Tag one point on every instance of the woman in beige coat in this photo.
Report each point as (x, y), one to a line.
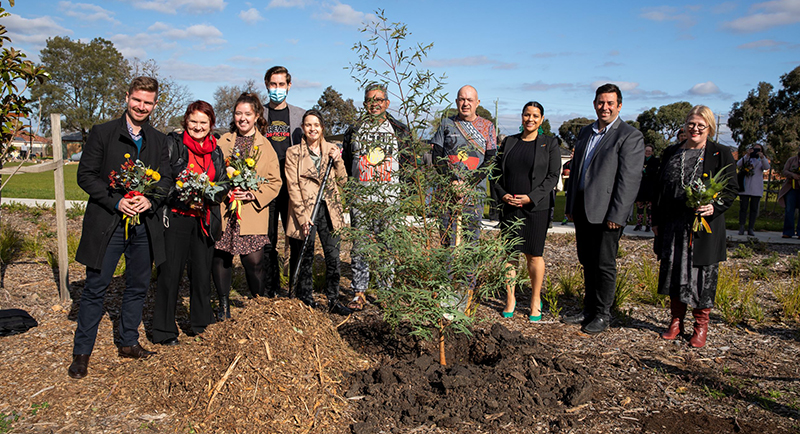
(246, 234)
(305, 167)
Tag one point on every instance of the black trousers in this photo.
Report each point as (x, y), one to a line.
(597, 247)
(330, 247)
(278, 207)
(185, 243)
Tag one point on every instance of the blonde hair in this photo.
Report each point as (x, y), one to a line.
(707, 115)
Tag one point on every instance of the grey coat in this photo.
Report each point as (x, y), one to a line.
(613, 175)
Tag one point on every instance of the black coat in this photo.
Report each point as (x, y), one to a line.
(178, 160)
(707, 249)
(544, 173)
(104, 151)
(647, 188)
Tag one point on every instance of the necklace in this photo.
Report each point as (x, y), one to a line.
(696, 166)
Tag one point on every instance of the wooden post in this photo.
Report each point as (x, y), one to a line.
(61, 208)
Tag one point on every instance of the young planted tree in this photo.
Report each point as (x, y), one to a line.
(421, 282)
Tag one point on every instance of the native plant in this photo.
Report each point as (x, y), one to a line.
(422, 282)
(735, 298)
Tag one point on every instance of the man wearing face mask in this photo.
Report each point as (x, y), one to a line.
(284, 122)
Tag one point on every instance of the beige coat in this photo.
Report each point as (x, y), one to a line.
(303, 182)
(791, 164)
(255, 213)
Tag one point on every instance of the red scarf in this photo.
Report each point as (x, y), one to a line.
(200, 154)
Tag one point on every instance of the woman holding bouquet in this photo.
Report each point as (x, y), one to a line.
(305, 167)
(245, 214)
(690, 257)
(192, 223)
(754, 163)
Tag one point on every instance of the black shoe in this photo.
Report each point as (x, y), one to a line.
(224, 309)
(135, 352)
(79, 367)
(751, 232)
(171, 342)
(598, 325)
(647, 228)
(637, 228)
(338, 308)
(578, 318)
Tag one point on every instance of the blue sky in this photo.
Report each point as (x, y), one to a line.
(557, 53)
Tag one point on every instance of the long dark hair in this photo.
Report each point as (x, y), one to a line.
(252, 99)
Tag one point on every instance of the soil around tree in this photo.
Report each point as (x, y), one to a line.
(280, 367)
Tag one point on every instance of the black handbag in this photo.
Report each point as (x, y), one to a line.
(15, 321)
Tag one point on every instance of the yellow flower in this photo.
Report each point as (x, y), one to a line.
(229, 171)
(705, 175)
(250, 162)
(148, 172)
(191, 165)
(230, 175)
(156, 176)
(255, 148)
(236, 173)
(179, 184)
(715, 195)
(237, 154)
(211, 183)
(127, 155)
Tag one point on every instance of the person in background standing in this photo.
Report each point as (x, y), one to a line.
(644, 199)
(753, 164)
(789, 195)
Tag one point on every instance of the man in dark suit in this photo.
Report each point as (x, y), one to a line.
(107, 234)
(604, 180)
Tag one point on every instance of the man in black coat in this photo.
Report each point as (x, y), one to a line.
(104, 237)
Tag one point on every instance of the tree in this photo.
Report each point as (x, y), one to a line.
(87, 85)
(660, 125)
(749, 119)
(225, 97)
(429, 280)
(17, 75)
(339, 114)
(546, 128)
(173, 98)
(569, 130)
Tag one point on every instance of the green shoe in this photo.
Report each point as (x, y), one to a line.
(510, 314)
(536, 318)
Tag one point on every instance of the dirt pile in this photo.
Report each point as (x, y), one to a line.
(498, 379)
(275, 367)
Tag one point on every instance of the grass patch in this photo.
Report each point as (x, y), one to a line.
(794, 264)
(623, 290)
(550, 295)
(570, 280)
(76, 210)
(646, 275)
(41, 185)
(735, 298)
(10, 244)
(788, 295)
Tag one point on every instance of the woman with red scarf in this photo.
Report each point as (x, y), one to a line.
(191, 229)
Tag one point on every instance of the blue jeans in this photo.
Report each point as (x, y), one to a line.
(792, 203)
(137, 281)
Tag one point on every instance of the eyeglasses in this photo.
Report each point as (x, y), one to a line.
(378, 100)
(699, 127)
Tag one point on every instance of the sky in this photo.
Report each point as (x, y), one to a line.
(557, 53)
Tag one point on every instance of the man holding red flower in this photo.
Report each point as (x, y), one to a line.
(103, 239)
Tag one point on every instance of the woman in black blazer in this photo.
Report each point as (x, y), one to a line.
(690, 260)
(527, 170)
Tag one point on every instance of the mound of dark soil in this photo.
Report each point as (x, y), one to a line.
(499, 379)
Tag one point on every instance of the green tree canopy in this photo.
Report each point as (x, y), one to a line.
(87, 85)
(569, 130)
(660, 125)
(339, 113)
(17, 75)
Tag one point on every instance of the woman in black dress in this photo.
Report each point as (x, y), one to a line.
(690, 260)
(528, 167)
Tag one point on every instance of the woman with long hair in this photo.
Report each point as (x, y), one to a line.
(190, 228)
(527, 170)
(245, 215)
(305, 168)
(690, 260)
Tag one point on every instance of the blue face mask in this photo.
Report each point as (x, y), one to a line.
(277, 95)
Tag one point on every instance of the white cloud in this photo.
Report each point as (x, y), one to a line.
(288, 4)
(181, 70)
(343, 14)
(33, 31)
(162, 37)
(547, 55)
(251, 16)
(305, 84)
(250, 60)
(207, 34)
(134, 45)
(610, 64)
(87, 12)
(707, 88)
(461, 61)
(625, 86)
(669, 13)
(767, 45)
(775, 13)
(185, 6)
(540, 86)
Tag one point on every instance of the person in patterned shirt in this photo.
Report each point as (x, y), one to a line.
(462, 147)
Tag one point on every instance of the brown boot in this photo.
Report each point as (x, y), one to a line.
(698, 339)
(678, 310)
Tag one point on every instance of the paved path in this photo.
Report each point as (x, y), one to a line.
(767, 237)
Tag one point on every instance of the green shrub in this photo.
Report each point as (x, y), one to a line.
(35, 246)
(794, 264)
(76, 210)
(550, 295)
(646, 275)
(735, 298)
(758, 271)
(570, 280)
(623, 290)
(788, 295)
(742, 251)
(11, 242)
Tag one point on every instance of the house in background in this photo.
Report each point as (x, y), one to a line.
(36, 145)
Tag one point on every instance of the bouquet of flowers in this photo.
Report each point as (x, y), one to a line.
(699, 194)
(193, 188)
(135, 179)
(241, 171)
(748, 169)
